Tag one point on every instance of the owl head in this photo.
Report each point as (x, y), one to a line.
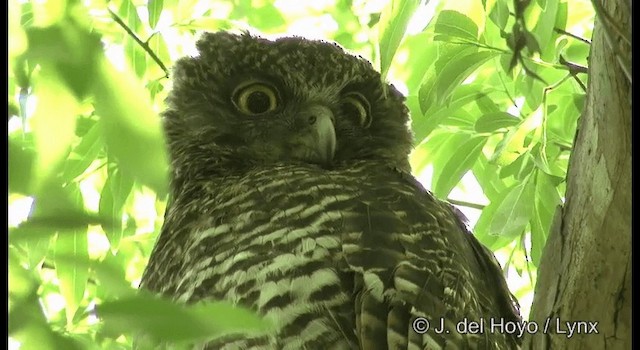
(245, 101)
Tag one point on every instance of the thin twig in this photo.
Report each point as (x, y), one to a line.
(478, 45)
(582, 86)
(466, 204)
(506, 91)
(564, 32)
(86, 173)
(573, 68)
(145, 46)
(562, 146)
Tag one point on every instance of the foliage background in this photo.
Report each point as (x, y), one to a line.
(88, 170)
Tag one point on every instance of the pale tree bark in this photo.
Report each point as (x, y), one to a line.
(585, 271)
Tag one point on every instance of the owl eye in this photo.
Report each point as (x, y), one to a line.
(256, 99)
(355, 105)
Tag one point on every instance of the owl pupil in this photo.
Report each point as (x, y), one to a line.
(258, 102)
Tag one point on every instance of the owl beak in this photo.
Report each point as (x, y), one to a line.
(322, 136)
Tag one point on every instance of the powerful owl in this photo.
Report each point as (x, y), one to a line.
(291, 195)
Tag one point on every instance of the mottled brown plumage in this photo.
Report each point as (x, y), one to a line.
(291, 195)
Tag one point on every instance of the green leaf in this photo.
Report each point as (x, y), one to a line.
(266, 16)
(207, 23)
(72, 275)
(129, 13)
(577, 52)
(547, 192)
(45, 225)
(546, 203)
(462, 120)
(83, 154)
(27, 322)
(539, 232)
(491, 122)
(137, 143)
(66, 52)
(137, 56)
(446, 52)
(167, 321)
(427, 151)
(459, 163)
(486, 104)
(111, 276)
(435, 114)
(526, 167)
(21, 282)
(154, 7)
(393, 25)
(456, 71)
(500, 14)
(513, 168)
(547, 159)
(22, 73)
(421, 56)
(21, 161)
(579, 101)
(554, 49)
(53, 123)
(48, 13)
(154, 87)
(158, 45)
(481, 229)
(543, 31)
(487, 176)
(442, 154)
(18, 42)
(34, 250)
(112, 199)
(455, 24)
(505, 65)
(513, 144)
(532, 89)
(513, 214)
(56, 208)
(561, 122)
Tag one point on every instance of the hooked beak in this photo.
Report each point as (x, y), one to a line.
(319, 141)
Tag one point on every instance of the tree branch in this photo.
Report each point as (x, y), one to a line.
(143, 45)
(574, 69)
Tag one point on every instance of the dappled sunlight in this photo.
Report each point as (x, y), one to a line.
(85, 133)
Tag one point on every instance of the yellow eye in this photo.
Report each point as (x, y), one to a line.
(256, 99)
(356, 106)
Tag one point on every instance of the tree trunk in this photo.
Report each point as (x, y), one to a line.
(584, 279)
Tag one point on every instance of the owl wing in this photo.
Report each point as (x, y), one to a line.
(414, 258)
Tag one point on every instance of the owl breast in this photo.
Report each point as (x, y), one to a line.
(301, 245)
(271, 240)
